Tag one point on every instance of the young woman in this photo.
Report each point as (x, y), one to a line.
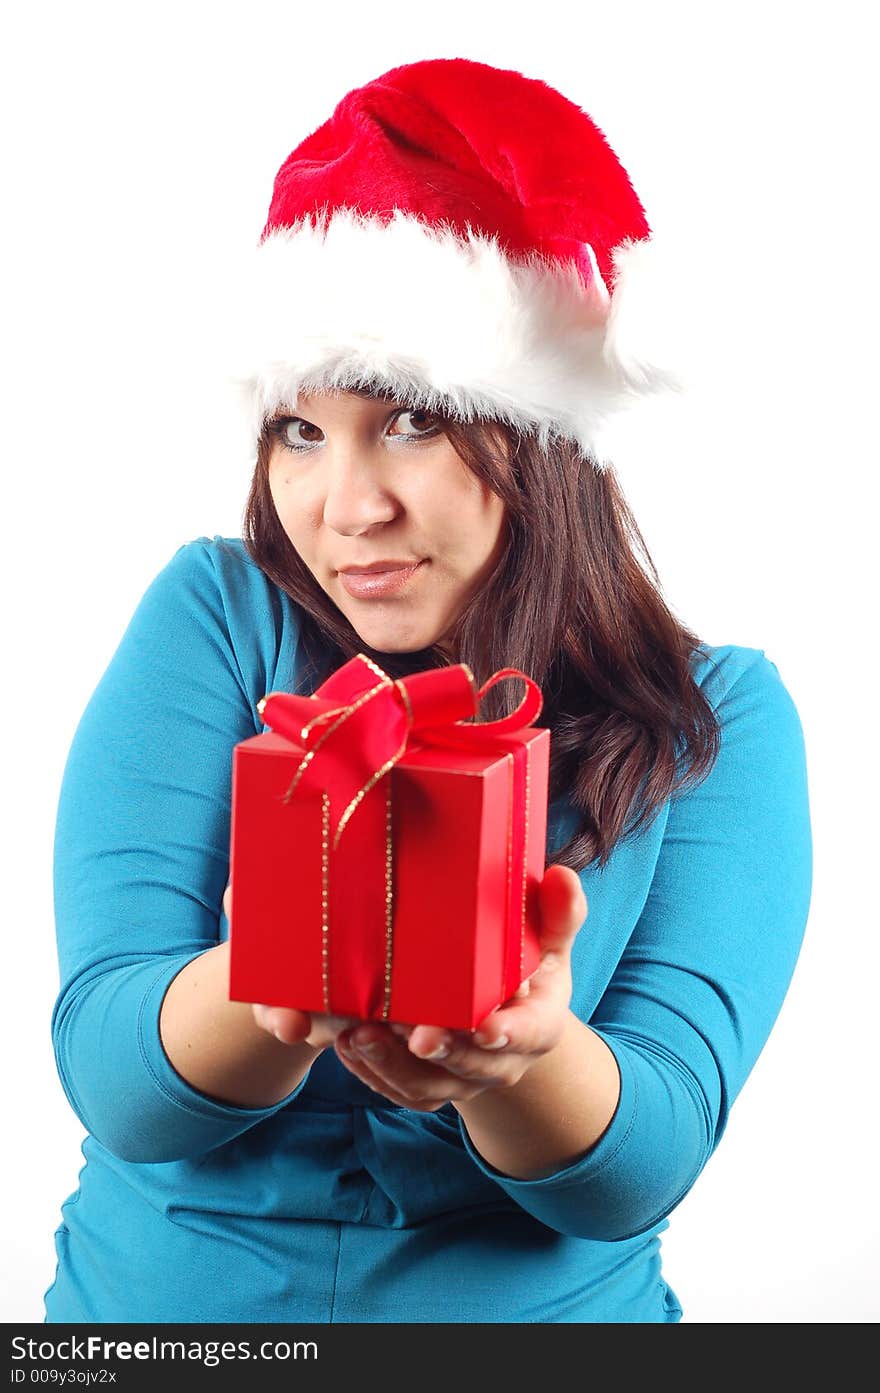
(444, 317)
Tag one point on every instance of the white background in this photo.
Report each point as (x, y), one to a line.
(140, 146)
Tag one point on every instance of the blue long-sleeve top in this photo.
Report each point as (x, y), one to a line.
(335, 1204)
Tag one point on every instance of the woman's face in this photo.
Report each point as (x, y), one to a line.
(388, 518)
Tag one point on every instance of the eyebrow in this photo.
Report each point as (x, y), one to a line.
(378, 394)
(382, 394)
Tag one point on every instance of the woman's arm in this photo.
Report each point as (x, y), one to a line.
(250, 1055)
(216, 1044)
(556, 1112)
(684, 1017)
(698, 989)
(141, 863)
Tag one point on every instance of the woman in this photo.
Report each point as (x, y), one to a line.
(450, 279)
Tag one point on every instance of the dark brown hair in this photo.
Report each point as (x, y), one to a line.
(570, 604)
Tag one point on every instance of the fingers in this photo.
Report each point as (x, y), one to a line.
(293, 1027)
(506, 1043)
(287, 1025)
(526, 1024)
(382, 1061)
(563, 908)
(227, 902)
(530, 1024)
(325, 1029)
(424, 1066)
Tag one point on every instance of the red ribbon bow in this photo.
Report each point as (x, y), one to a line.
(365, 720)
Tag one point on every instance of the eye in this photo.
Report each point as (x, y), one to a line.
(295, 433)
(421, 422)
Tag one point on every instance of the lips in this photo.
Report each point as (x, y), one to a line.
(378, 579)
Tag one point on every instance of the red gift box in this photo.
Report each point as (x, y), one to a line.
(385, 855)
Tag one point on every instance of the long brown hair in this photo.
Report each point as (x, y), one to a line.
(570, 604)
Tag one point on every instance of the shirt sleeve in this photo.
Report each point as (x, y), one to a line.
(702, 979)
(141, 859)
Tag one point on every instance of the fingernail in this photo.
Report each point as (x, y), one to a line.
(373, 1049)
(486, 1044)
(549, 961)
(438, 1052)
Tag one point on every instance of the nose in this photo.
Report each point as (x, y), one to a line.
(357, 493)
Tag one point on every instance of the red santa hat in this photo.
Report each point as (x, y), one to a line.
(465, 237)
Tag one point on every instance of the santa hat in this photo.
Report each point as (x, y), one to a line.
(465, 237)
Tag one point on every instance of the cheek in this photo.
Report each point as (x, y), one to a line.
(467, 513)
(485, 530)
(279, 494)
(292, 510)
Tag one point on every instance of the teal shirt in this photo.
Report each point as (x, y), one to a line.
(335, 1204)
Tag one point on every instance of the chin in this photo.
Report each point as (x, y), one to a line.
(388, 644)
(399, 632)
(397, 638)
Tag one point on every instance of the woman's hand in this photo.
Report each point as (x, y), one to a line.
(287, 1024)
(404, 1062)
